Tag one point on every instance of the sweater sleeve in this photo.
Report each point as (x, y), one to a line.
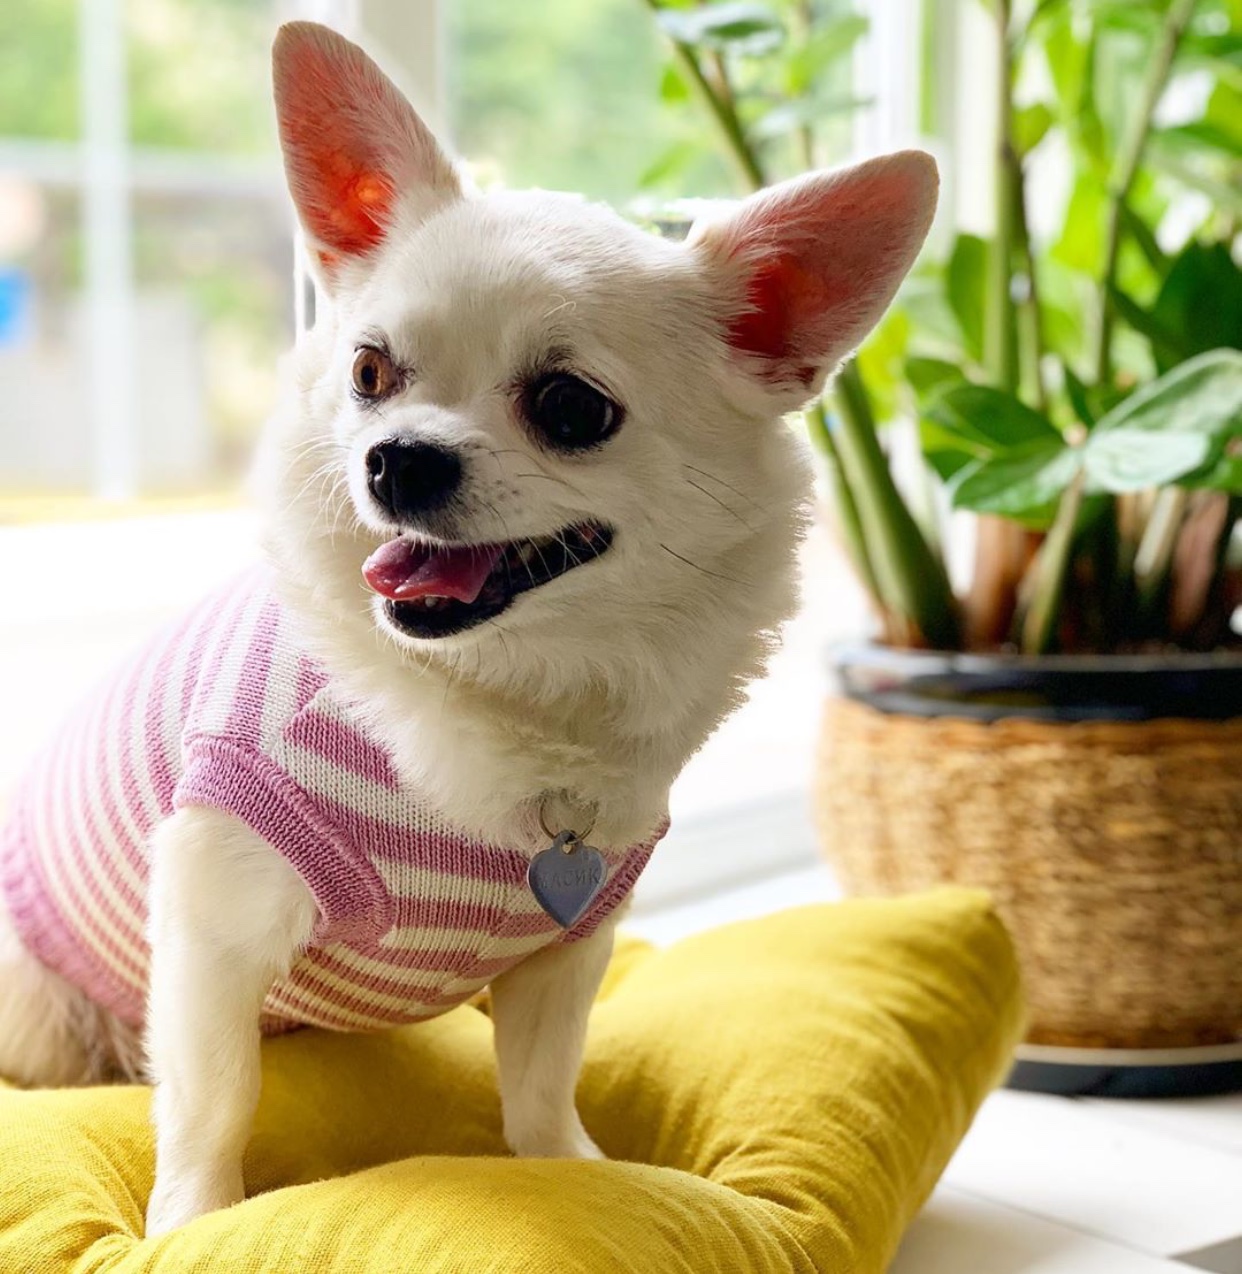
(235, 777)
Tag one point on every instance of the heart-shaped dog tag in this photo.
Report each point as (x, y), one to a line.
(566, 878)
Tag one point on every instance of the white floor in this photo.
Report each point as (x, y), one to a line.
(1048, 1185)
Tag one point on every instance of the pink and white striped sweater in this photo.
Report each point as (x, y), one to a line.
(224, 710)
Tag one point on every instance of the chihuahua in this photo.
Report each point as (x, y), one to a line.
(532, 512)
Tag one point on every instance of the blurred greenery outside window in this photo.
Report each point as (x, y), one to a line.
(206, 261)
(565, 94)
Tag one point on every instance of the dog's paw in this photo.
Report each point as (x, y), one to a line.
(177, 1200)
(571, 1142)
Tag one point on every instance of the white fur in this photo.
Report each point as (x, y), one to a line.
(597, 686)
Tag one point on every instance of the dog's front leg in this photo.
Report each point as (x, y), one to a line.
(228, 914)
(540, 1013)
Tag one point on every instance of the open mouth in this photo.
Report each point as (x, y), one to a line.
(435, 590)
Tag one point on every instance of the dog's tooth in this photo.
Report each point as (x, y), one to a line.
(526, 553)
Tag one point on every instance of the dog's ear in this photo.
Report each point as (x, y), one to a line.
(809, 266)
(357, 157)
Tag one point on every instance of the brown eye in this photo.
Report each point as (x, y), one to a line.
(375, 375)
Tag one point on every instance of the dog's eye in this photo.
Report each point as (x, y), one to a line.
(570, 413)
(375, 375)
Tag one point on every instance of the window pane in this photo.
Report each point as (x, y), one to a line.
(44, 433)
(199, 74)
(565, 94)
(212, 316)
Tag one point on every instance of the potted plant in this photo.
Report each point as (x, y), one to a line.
(1062, 724)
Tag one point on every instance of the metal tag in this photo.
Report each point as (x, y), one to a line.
(566, 878)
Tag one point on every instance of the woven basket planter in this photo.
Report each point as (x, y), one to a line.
(1113, 847)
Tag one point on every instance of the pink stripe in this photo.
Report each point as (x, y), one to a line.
(148, 719)
(89, 779)
(129, 804)
(219, 637)
(449, 965)
(246, 715)
(197, 630)
(87, 903)
(342, 745)
(45, 932)
(428, 844)
(484, 918)
(311, 680)
(79, 771)
(329, 1013)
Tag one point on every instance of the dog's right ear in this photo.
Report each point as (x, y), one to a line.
(357, 157)
(809, 266)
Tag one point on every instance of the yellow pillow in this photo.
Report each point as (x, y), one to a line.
(776, 1095)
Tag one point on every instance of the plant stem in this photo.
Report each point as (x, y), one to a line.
(1031, 306)
(1003, 552)
(1130, 156)
(910, 579)
(804, 19)
(738, 148)
(1045, 582)
(1001, 337)
(1154, 556)
(849, 525)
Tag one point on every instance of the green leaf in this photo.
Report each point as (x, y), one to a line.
(1081, 245)
(1076, 392)
(1221, 53)
(1225, 475)
(983, 417)
(1202, 396)
(1201, 300)
(1223, 193)
(1030, 126)
(946, 461)
(965, 285)
(1130, 459)
(752, 29)
(1024, 487)
(1166, 345)
(927, 376)
(1145, 239)
(1224, 108)
(825, 45)
(673, 87)
(1203, 133)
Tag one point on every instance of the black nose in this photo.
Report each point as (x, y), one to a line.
(409, 478)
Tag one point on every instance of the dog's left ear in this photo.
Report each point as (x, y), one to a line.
(810, 265)
(357, 157)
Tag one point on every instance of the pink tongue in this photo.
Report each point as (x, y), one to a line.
(403, 570)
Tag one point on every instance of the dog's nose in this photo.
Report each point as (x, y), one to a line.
(409, 478)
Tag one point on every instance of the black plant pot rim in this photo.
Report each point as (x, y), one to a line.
(992, 687)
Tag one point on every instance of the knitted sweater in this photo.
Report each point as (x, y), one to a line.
(225, 711)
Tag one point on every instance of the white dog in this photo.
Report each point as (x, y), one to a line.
(532, 523)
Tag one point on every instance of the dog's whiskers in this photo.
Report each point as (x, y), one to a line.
(728, 508)
(720, 481)
(714, 574)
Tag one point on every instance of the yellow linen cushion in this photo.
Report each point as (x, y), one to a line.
(775, 1095)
